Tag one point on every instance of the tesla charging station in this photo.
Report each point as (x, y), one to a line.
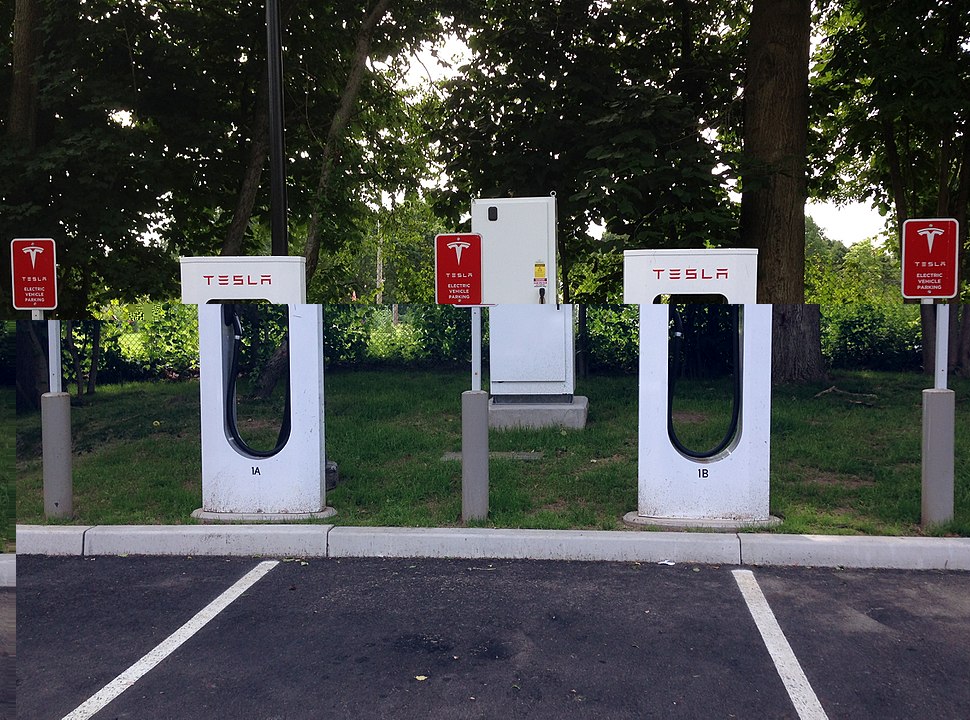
(531, 342)
(729, 487)
(239, 483)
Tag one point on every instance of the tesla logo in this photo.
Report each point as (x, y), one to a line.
(33, 251)
(238, 279)
(691, 273)
(930, 234)
(458, 246)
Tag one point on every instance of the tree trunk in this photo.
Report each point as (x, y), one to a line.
(347, 100)
(796, 347)
(95, 356)
(246, 199)
(775, 146)
(276, 368)
(22, 119)
(963, 342)
(72, 349)
(927, 322)
(31, 368)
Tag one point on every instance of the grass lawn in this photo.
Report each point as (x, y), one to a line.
(845, 461)
(7, 459)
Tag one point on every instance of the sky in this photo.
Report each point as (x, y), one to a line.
(847, 223)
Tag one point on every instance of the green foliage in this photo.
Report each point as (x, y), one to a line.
(146, 116)
(391, 341)
(148, 340)
(397, 247)
(613, 333)
(878, 336)
(8, 352)
(891, 84)
(613, 106)
(345, 334)
(445, 331)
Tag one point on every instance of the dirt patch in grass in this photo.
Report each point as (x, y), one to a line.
(608, 460)
(821, 477)
(688, 416)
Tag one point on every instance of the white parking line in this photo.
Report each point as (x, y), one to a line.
(802, 696)
(169, 645)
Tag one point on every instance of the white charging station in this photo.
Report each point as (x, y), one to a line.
(288, 482)
(531, 339)
(730, 488)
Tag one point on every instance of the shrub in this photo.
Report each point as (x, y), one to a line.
(883, 336)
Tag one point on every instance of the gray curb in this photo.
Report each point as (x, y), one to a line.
(534, 544)
(328, 541)
(8, 570)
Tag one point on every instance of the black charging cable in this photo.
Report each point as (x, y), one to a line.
(230, 317)
(676, 341)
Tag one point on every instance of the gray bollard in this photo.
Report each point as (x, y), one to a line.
(55, 413)
(474, 455)
(939, 410)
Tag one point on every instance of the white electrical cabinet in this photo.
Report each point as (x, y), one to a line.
(518, 249)
(531, 351)
(531, 340)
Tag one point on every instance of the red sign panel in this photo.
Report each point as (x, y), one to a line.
(458, 269)
(930, 258)
(33, 268)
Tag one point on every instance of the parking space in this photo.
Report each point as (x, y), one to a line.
(8, 653)
(369, 638)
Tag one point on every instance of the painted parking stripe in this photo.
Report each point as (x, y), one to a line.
(169, 645)
(802, 696)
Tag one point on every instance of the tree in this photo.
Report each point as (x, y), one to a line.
(908, 153)
(773, 179)
(775, 145)
(613, 106)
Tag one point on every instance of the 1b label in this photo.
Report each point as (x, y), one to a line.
(703, 473)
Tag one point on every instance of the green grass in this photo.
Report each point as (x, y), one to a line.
(7, 459)
(841, 463)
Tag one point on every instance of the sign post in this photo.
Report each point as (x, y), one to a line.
(930, 256)
(33, 269)
(458, 281)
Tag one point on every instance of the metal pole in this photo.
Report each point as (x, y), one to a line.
(474, 455)
(476, 348)
(54, 355)
(277, 165)
(942, 345)
(55, 419)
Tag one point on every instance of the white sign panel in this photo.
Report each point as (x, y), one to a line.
(732, 273)
(276, 279)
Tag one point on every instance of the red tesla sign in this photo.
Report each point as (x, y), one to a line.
(458, 269)
(34, 272)
(930, 258)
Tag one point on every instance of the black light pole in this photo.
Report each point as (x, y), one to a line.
(277, 162)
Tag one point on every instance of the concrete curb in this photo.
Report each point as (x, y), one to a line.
(245, 540)
(51, 540)
(905, 553)
(8, 570)
(534, 544)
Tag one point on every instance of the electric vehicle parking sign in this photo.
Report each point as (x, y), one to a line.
(33, 268)
(930, 258)
(458, 269)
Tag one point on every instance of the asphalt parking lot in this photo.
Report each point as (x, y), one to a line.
(402, 638)
(8, 653)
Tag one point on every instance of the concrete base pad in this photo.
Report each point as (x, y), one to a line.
(219, 517)
(716, 524)
(539, 415)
